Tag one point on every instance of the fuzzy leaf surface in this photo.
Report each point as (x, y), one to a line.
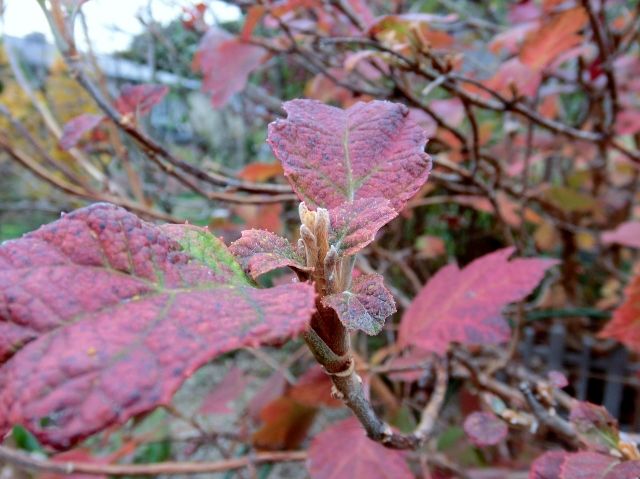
(103, 316)
(260, 251)
(225, 63)
(354, 225)
(582, 465)
(366, 458)
(332, 156)
(365, 306)
(75, 128)
(465, 305)
(596, 428)
(625, 324)
(485, 429)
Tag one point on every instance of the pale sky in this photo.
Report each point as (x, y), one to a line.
(112, 23)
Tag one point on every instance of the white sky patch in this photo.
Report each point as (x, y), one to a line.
(112, 23)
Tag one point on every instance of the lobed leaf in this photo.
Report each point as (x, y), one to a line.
(464, 305)
(365, 305)
(354, 225)
(360, 457)
(259, 251)
(332, 156)
(485, 429)
(103, 316)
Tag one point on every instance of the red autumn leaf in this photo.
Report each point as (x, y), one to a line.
(554, 37)
(226, 391)
(354, 225)
(627, 234)
(225, 63)
(140, 99)
(548, 465)
(258, 172)
(596, 428)
(162, 302)
(465, 305)
(628, 122)
(365, 305)
(513, 76)
(582, 465)
(450, 110)
(286, 424)
(273, 387)
(75, 128)
(625, 324)
(314, 389)
(365, 458)
(260, 251)
(557, 379)
(587, 465)
(485, 429)
(624, 470)
(332, 156)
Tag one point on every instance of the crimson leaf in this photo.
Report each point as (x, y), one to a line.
(76, 127)
(332, 156)
(354, 225)
(365, 306)
(596, 428)
(465, 305)
(225, 62)
(260, 251)
(484, 429)
(140, 99)
(365, 458)
(103, 316)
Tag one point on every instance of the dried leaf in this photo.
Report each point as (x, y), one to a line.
(74, 129)
(464, 305)
(163, 301)
(260, 251)
(332, 156)
(365, 458)
(485, 429)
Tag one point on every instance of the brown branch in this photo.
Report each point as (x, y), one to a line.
(24, 461)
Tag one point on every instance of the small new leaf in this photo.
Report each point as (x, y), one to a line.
(259, 251)
(354, 225)
(485, 429)
(365, 306)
